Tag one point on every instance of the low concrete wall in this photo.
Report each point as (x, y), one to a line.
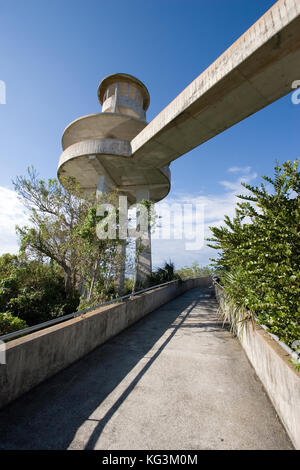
(279, 377)
(37, 356)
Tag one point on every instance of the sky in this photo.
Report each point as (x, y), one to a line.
(53, 56)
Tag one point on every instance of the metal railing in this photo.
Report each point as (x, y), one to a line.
(43, 325)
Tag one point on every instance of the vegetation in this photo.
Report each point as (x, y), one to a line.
(194, 271)
(31, 292)
(63, 229)
(63, 265)
(9, 323)
(165, 274)
(140, 246)
(168, 273)
(61, 258)
(259, 256)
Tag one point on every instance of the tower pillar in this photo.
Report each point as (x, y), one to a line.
(143, 242)
(104, 186)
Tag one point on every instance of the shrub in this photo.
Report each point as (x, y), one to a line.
(161, 275)
(35, 291)
(194, 270)
(10, 323)
(260, 253)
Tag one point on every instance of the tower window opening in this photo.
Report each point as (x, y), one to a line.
(111, 90)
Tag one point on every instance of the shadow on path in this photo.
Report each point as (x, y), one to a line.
(49, 416)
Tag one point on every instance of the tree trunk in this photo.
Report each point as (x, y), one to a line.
(68, 283)
(95, 271)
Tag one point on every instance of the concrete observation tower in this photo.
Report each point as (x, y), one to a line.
(97, 153)
(118, 149)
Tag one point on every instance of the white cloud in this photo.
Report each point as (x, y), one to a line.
(239, 169)
(12, 213)
(216, 206)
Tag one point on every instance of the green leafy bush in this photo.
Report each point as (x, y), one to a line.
(34, 291)
(259, 255)
(9, 323)
(161, 275)
(194, 270)
(128, 286)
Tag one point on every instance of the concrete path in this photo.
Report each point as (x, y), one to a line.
(174, 380)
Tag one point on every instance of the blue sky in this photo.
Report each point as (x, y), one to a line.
(53, 55)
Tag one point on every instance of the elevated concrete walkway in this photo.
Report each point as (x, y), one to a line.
(174, 380)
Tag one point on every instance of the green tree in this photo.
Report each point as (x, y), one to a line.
(7, 263)
(102, 259)
(60, 256)
(259, 252)
(194, 270)
(63, 229)
(56, 212)
(34, 291)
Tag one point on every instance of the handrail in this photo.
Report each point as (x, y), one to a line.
(284, 346)
(43, 325)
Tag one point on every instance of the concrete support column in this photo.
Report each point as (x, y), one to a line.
(121, 254)
(143, 243)
(104, 186)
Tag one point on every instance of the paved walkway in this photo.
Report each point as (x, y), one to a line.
(174, 380)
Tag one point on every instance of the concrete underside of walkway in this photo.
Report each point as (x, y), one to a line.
(174, 380)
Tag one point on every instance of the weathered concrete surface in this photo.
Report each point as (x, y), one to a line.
(273, 367)
(112, 157)
(174, 380)
(278, 375)
(99, 144)
(256, 70)
(253, 72)
(38, 356)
